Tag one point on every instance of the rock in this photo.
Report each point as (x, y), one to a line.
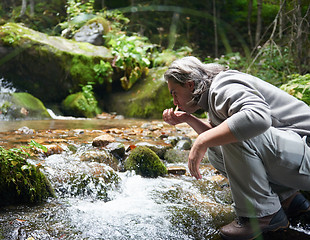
(145, 163)
(20, 181)
(23, 105)
(158, 149)
(76, 105)
(101, 156)
(176, 156)
(184, 144)
(103, 140)
(117, 149)
(63, 64)
(91, 33)
(142, 100)
(176, 170)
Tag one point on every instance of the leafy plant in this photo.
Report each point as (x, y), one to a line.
(88, 93)
(298, 86)
(103, 72)
(76, 7)
(232, 60)
(131, 54)
(21, 181)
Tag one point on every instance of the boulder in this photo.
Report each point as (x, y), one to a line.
(145, 162)
(146, 99)
(48, 67)
(23, 106)
(21, 182)
(77, 105)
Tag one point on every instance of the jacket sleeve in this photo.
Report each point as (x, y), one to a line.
(244, 108)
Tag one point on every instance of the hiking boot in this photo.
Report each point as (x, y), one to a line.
(296, 206)
(250, 228)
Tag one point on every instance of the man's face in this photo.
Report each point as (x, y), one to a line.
(182, 95)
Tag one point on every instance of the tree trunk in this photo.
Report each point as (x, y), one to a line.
(32, 8)
(23, 10)
(215, 30)
(250, 9)
(173, 30)
(259, 21)
(281, 21)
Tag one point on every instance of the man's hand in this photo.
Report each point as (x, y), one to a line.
(174, 117)
(196, 155)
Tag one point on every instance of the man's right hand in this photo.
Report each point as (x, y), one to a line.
(174, 117)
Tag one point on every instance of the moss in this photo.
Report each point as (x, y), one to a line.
(33, 106)
(145, 162)
(71, 63)
(143, 99)
(21, 182)
(77, 105)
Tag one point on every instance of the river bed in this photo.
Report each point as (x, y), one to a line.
(170, 207)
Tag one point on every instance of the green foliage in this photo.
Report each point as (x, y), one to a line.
(232, 60)
(88, 93)
(104, 72)
(21, 182)
(298, 86)
(131, 55)
(82, 104)
(145, 162)
(76, 7)
(273, 64)
(167, 56)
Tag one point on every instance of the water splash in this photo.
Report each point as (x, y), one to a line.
(5, 89)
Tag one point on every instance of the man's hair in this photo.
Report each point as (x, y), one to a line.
(192, 69)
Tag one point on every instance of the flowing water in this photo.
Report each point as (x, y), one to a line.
(126, 207)
(133, 207)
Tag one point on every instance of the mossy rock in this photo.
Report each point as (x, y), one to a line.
(48, 67)
(145, 162)
(21, 182)
(146, 99)
(23, 106)
(77, 105)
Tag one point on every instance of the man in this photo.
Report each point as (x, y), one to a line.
(258, 136)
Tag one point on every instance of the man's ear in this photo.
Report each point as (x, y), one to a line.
(191, 85)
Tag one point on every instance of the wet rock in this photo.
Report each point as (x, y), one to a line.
(158, 149)
(176, 170)
(25, 130)
(20, 181)
(145, 162)
(184, 144)
(176, 156)
(103, 140)
(100, 156)
(117, 149)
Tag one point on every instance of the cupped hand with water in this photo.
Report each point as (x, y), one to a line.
(174, 117)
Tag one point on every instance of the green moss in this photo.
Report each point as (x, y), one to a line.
(77, 105)
(147, 99)
(34, 106)
(145, 163)
(21, 182)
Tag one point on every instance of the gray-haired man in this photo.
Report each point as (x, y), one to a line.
(258, 136)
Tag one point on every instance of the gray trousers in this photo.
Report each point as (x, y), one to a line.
(264, 170)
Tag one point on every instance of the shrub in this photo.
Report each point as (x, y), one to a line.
(298, 86)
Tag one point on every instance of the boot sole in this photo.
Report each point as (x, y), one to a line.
(257, 234)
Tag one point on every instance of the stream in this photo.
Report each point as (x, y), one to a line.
(129, 207)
